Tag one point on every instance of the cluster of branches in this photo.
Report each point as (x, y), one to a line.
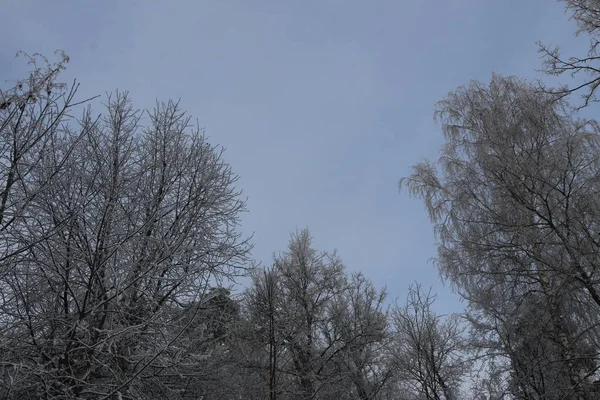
(586, 13)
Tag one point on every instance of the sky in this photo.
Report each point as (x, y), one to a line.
(322, 106)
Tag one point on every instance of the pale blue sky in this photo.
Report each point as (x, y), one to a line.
(322, 105)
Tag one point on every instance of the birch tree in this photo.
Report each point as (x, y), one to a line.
(514, 201)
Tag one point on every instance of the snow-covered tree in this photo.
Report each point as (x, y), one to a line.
(514, 201)
(109, 226)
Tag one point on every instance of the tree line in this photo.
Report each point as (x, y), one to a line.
(120, 230)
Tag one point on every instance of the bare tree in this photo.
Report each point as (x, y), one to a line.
(137, 223)
(316, 332)
(429, 351)
(310, 280)
(358, 332)
(513, 199)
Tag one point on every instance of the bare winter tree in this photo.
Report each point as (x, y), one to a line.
(429, 351)
(358, 333)
(310, 281)
(514, 201)
(126, 226)
(316, 333)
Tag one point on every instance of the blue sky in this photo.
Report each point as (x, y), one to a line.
(322, 105)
